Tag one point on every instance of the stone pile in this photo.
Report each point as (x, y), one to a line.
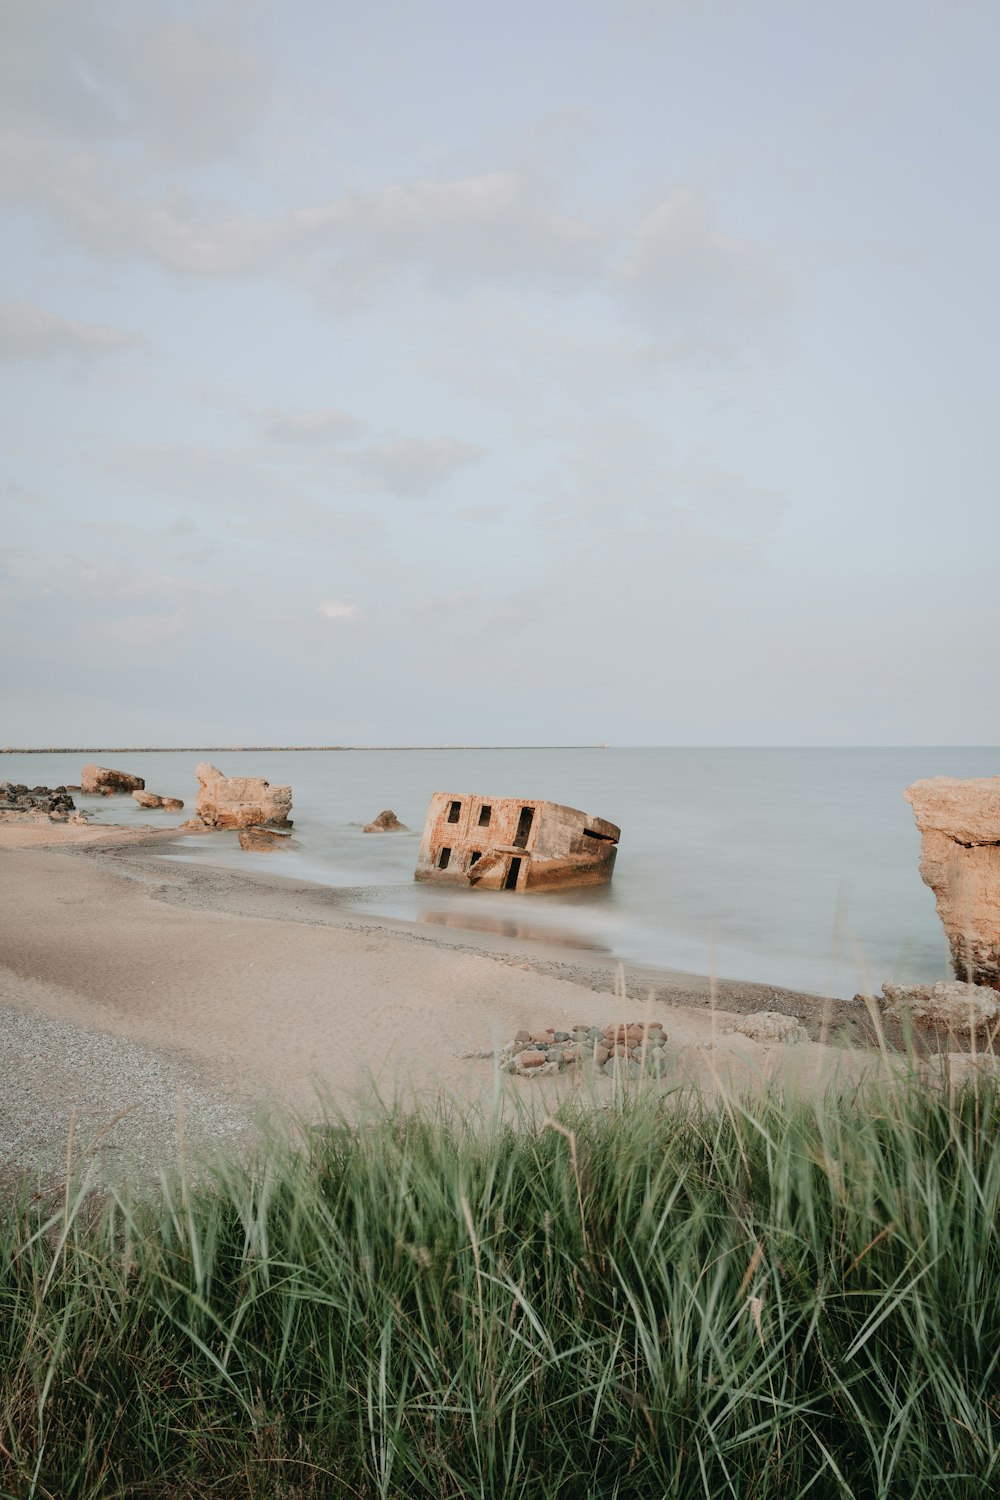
(37, 803)
(626, 1049)
(102, 781)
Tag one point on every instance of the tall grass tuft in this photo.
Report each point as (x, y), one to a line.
(755, 1299)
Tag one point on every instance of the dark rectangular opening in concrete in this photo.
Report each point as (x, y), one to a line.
(524, 827)
(604, 838)
(513, 871)
(454, 808)
(485, 814)
(443, 859)
(475, 857)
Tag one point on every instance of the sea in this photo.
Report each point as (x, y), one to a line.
(793, 867)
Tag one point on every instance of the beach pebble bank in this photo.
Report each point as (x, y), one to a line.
(624, 1048)
(122, 1107)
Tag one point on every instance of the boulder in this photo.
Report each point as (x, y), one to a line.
(771, 1026)
(101, 781)
(963, 1009)
(262, 838)
(959, 823)
(386, 822)
(150, 799)
(240, 801)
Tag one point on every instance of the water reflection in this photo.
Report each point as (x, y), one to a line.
(476, 921)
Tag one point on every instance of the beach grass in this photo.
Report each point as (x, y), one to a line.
(763, 1298)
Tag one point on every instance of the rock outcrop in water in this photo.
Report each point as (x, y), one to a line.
(386, 822)
(101, 781)
(263, 840)
(240, 801)
(152, 799)
(959, 822)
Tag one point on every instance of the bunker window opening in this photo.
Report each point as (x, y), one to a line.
(475, 857)
(454, 809)
(513, 871)
(524, 827)
(443, 859)
(485, 814)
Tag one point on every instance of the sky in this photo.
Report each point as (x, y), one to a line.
(561, 373)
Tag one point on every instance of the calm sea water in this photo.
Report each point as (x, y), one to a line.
(797, 867)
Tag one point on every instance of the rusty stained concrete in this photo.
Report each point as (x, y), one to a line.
(514, 843)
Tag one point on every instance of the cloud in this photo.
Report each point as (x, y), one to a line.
(145, 630)
(497, 224)
(195, 91)
(408, 466)
(185, 90)
(325, 425)
(678, 248)
(336, 609)
(273, 480)
(30, 332)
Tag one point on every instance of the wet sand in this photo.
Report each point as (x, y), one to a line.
(247, 992)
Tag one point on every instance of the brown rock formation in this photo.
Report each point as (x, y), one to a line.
(147, 799)
(258, 839)
(964, 1009)
(960, 860)
(151, 799)
(103, 782)
(240, 801)
(386, 822)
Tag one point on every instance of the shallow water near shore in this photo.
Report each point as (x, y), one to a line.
(793, 867)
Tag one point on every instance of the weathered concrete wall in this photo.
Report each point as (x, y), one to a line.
(959, 821)
(514, 843)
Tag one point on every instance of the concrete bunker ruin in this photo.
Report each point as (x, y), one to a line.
(514, 844)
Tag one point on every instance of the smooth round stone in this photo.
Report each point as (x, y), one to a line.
(561, 1036)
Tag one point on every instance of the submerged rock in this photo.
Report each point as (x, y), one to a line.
(258, 839)
(151, 799)
(386, 822)
(959, 822)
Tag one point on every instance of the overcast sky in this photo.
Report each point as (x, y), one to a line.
(521, 373)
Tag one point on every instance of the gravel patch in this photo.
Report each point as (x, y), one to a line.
(128, 1105)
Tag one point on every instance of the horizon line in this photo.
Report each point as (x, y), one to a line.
(298, 749)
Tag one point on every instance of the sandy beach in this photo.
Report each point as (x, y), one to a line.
(144, 998)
